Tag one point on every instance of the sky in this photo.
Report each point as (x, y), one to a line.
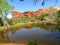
(22, 6)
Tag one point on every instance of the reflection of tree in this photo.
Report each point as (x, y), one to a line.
(4, 36)
(13, 31)
(53, 28)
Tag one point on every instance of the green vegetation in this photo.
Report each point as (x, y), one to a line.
(32, 43)
(5, 9)
(41, 17)
(58, 17)
(27, 19)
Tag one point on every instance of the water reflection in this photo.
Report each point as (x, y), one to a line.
(38, 34)
(49, 34)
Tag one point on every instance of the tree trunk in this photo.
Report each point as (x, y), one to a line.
(5, 23)
(1, 23)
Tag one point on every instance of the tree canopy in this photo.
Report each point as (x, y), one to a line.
(5, 6)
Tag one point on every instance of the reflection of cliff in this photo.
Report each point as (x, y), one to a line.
(31, 13)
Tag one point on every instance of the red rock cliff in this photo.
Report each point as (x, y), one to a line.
(31, 13)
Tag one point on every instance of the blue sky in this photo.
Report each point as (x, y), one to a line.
(29, 5)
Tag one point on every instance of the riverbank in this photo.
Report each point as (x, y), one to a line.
(11, 44)
(15, 26)
(20, 44)
(21, 25)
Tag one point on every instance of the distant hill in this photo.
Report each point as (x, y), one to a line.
(39, 12)
(54, 8)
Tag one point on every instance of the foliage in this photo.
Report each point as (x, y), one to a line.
(41, 17)
(9, 21)
(32, 43)
(5, 8)
(58, 17)
(32, 19)
(53, 17)
(28, 19)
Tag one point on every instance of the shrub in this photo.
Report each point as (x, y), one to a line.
(32, 42)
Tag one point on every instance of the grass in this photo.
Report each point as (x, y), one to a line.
(22, 24)
(15, 25)
(1, 26)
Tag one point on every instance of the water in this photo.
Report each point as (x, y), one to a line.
(41, 35)
(48, 36)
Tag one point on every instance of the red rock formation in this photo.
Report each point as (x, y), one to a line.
(17, 14)
(31, 13)
(42, 11)
(28, 13)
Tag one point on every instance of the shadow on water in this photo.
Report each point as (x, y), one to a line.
(43, 33)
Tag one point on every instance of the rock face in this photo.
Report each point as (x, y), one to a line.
(36, 13)
(42, 11)
(16, 14)
(30, 13)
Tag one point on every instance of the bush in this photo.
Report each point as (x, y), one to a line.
(32, 43)
(9, 21)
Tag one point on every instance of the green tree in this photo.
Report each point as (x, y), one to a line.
(5, 8)
(41, 17)
(58, 17)
(51, 18)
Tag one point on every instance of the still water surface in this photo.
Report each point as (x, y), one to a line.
(45, 34)
(41, 35)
